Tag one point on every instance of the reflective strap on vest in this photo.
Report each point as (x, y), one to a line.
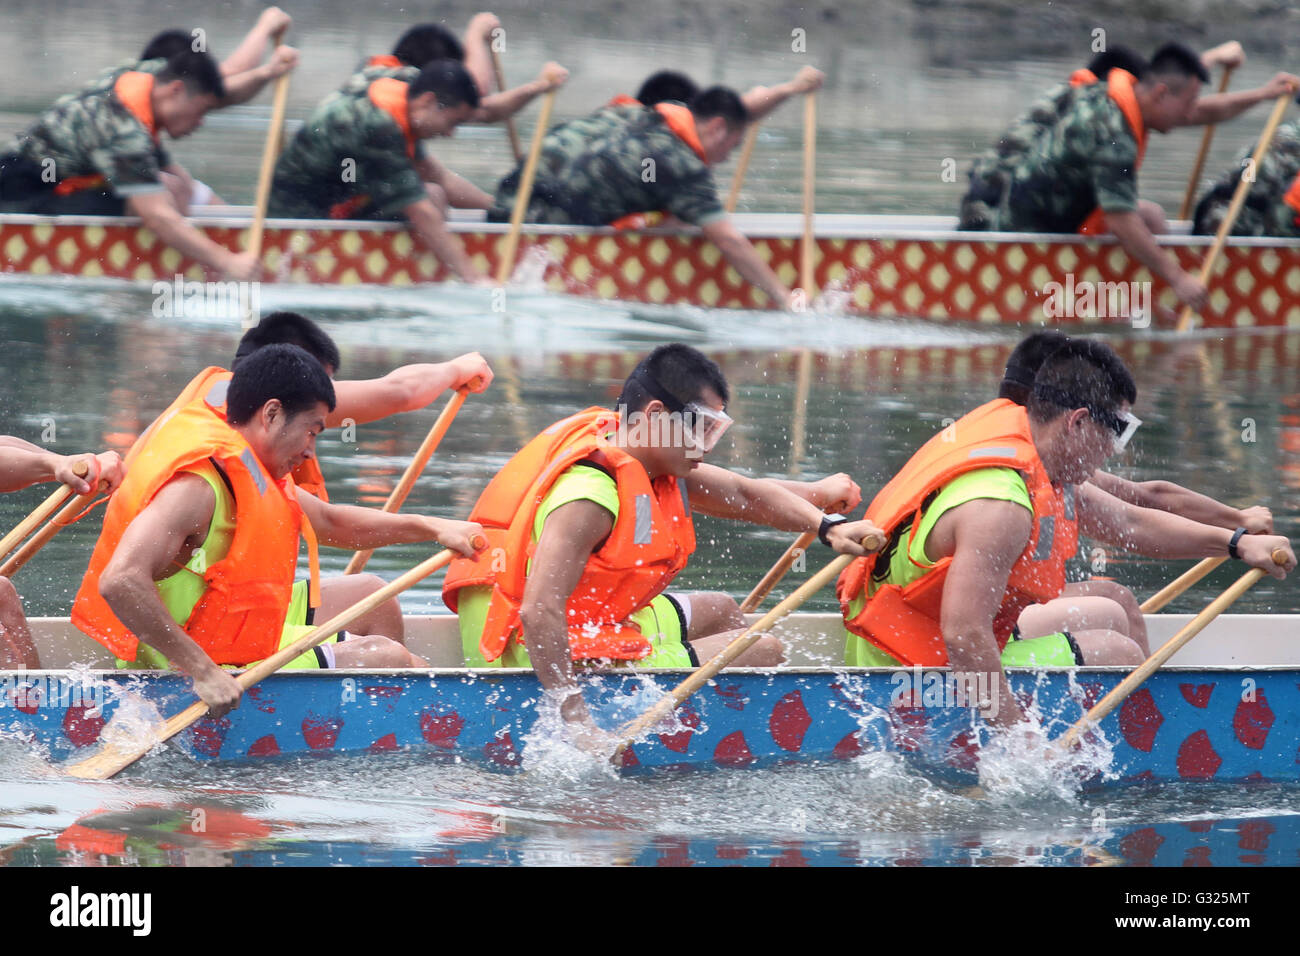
(1068, 495)
(1000, 452)
(1046, 537)
(254, 468)
(216, 396)
(643, 531)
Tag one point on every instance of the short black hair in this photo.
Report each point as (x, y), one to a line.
(1118, 57)
(665, 86)
(1024, 362)
(720, 101)
(1176, 60)
(291, 328)
(428, 41)
(167, 44)
(449, 81)
(283, 372)
(674, 374)
(1082, 373)
(198, 71)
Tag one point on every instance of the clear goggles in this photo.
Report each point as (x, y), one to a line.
(704, 425)
(1124, 427)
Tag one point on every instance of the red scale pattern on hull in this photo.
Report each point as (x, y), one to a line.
(1197, 759)
(1140, 719)
(1252, 721)
(789, 722)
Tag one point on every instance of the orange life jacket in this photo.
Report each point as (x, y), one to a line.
(133, 89)
(1292, 197)
(240, 615)
(386, 60)
(390, 96)
(1119, 87)
(651, 541)
(905, 622)
(306, 476)
(682, 122)
(1083, 77)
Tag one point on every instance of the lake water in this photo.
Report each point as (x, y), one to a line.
(90, 365)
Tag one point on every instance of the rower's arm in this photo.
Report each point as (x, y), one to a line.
(762, 100)
(1159, 534)
(461, 193)
(497, 106)
(1167, 496)
(988, 538)
(148, 551)
(725, 494)
(242, 87)
(406, 389)
(570, 535)
(1138, 242)
(23, 464)
(428, 222)
(836, 493)
(1220, 107)
(248, 54)
(740, 253)
(161, 217)
(348, 526)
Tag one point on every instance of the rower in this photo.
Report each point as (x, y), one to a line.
(622, 160)
(432, 41)
(589, 523)
(361, 155)
(980, 527)
(23, 464)
(358, 401)
(99, 153)
(669, 86)
(195, 564)
(1099, 602)
(1074, 168)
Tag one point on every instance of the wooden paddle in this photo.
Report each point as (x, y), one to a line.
(809, 187)
(43, 511)
(269, 154)
(71, 511)
(1238, 200)
(1167, 650)
(777, 571)
(702, 675)
(1186, 209)
(515, 148)
(1180, 584)
(422, 455)
(506, 262)
(116, 756)
(742, 166)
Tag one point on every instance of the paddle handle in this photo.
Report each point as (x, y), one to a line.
(809, 194)
(111, 759)
(1206, 138)
(71, 511)
(422, 455)
(1178, 585)
(515, 149)
(506, 263)
(702, 675)
(269, 154)
(1153, 663)
(1238, 200)
(742, 166)
(777, 571)
(42, 511)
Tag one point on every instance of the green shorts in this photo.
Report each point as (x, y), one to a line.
(1051, 650)
(662, 621)
(297, 622)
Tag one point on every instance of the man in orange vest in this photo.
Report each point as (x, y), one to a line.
(100, 153)
(360, 155)
(626, 159)
(981, 521)
(23, 464)
(1076, 169)
(359, 401)
(588, 524)
(194, 567)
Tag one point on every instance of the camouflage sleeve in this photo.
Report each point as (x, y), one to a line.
(1110, 154)
(688, 190)
(129, 160)
(385, 173)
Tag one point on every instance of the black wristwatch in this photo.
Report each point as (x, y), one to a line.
(829, 521)
(1232, 545)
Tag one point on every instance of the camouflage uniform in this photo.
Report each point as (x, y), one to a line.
(1264, 212)
(360, 81)
(312, 179)
(593, 171)
(90, 133)
(1072, 152)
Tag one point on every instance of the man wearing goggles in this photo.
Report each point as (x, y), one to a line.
(1099, 604)
(984, 516)
(588, 524)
